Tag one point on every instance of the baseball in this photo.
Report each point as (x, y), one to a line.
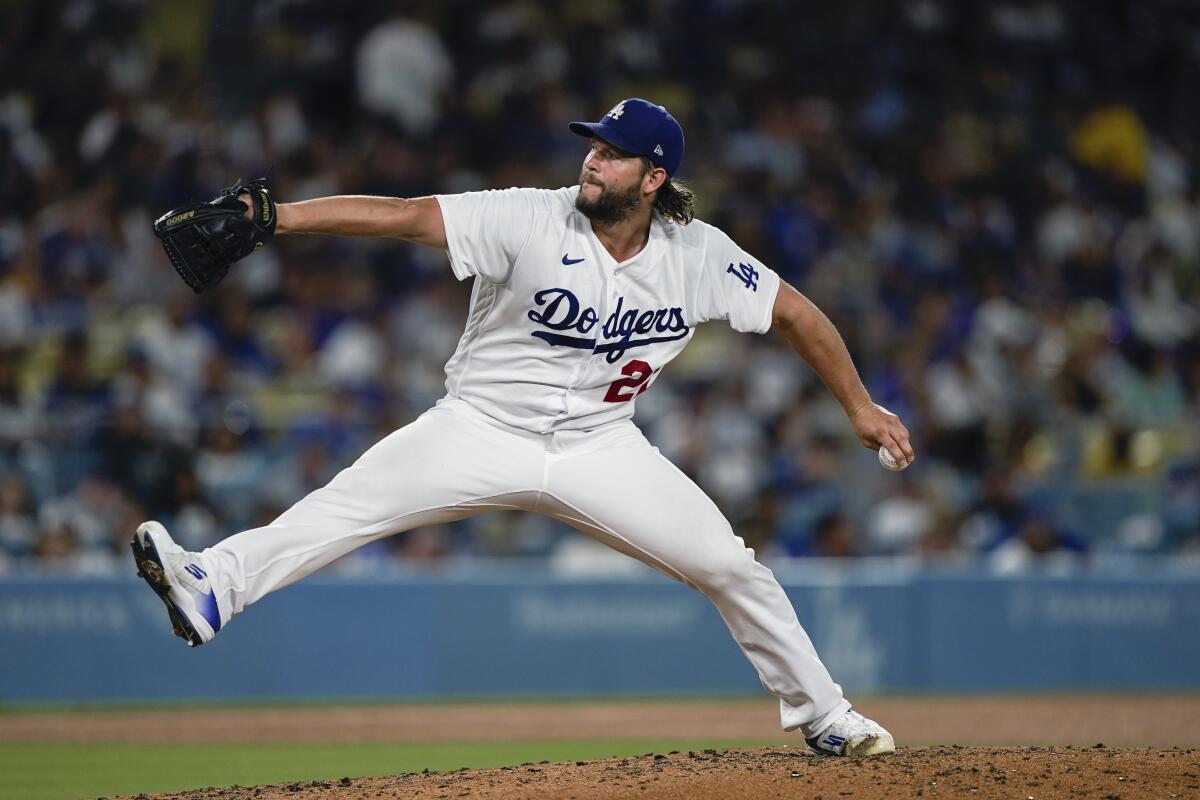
(889, 461)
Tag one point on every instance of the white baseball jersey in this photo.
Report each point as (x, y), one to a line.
(562, 337)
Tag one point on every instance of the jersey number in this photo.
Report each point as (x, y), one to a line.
(639, 373)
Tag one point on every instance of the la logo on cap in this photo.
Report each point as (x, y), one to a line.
(617, 110)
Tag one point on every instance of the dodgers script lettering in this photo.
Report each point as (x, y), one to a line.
(561, 315)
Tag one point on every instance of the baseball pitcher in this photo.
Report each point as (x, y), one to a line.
(581, 296)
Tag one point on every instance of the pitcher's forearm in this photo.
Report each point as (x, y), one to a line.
(822, 347)
(418, 220)
(817, 341)
(344, 215)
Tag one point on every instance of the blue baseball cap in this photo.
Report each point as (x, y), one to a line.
(642, 128)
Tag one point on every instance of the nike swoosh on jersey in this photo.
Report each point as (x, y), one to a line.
(568, 261)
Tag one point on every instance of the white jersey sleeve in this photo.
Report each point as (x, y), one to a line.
(486, 231)
(734, 285)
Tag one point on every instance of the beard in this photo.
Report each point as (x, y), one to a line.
(611, 206)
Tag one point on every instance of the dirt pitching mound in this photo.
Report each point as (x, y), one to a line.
(1033, 772)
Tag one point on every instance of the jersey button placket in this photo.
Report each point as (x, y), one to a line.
(609, 292)
(616, 291)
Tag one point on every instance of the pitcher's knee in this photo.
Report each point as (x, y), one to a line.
(728, 568)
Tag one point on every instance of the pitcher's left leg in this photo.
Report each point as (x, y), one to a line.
(633, 499)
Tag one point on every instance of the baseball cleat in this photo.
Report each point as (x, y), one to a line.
(180, 581)
(852, 734)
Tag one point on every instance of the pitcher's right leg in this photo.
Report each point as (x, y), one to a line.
(446, 465)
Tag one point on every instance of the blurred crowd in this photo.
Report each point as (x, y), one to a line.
(998, 204)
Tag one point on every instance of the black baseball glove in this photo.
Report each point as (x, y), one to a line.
(203, 240)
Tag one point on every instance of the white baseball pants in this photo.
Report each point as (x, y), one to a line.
(610, 483)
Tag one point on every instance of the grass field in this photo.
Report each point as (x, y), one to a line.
(72, 771)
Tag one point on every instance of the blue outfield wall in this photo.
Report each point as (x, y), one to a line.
(508, 634)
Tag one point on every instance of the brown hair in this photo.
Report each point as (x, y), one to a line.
(673, 200)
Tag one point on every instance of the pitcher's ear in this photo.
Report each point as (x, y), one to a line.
(654, 179)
